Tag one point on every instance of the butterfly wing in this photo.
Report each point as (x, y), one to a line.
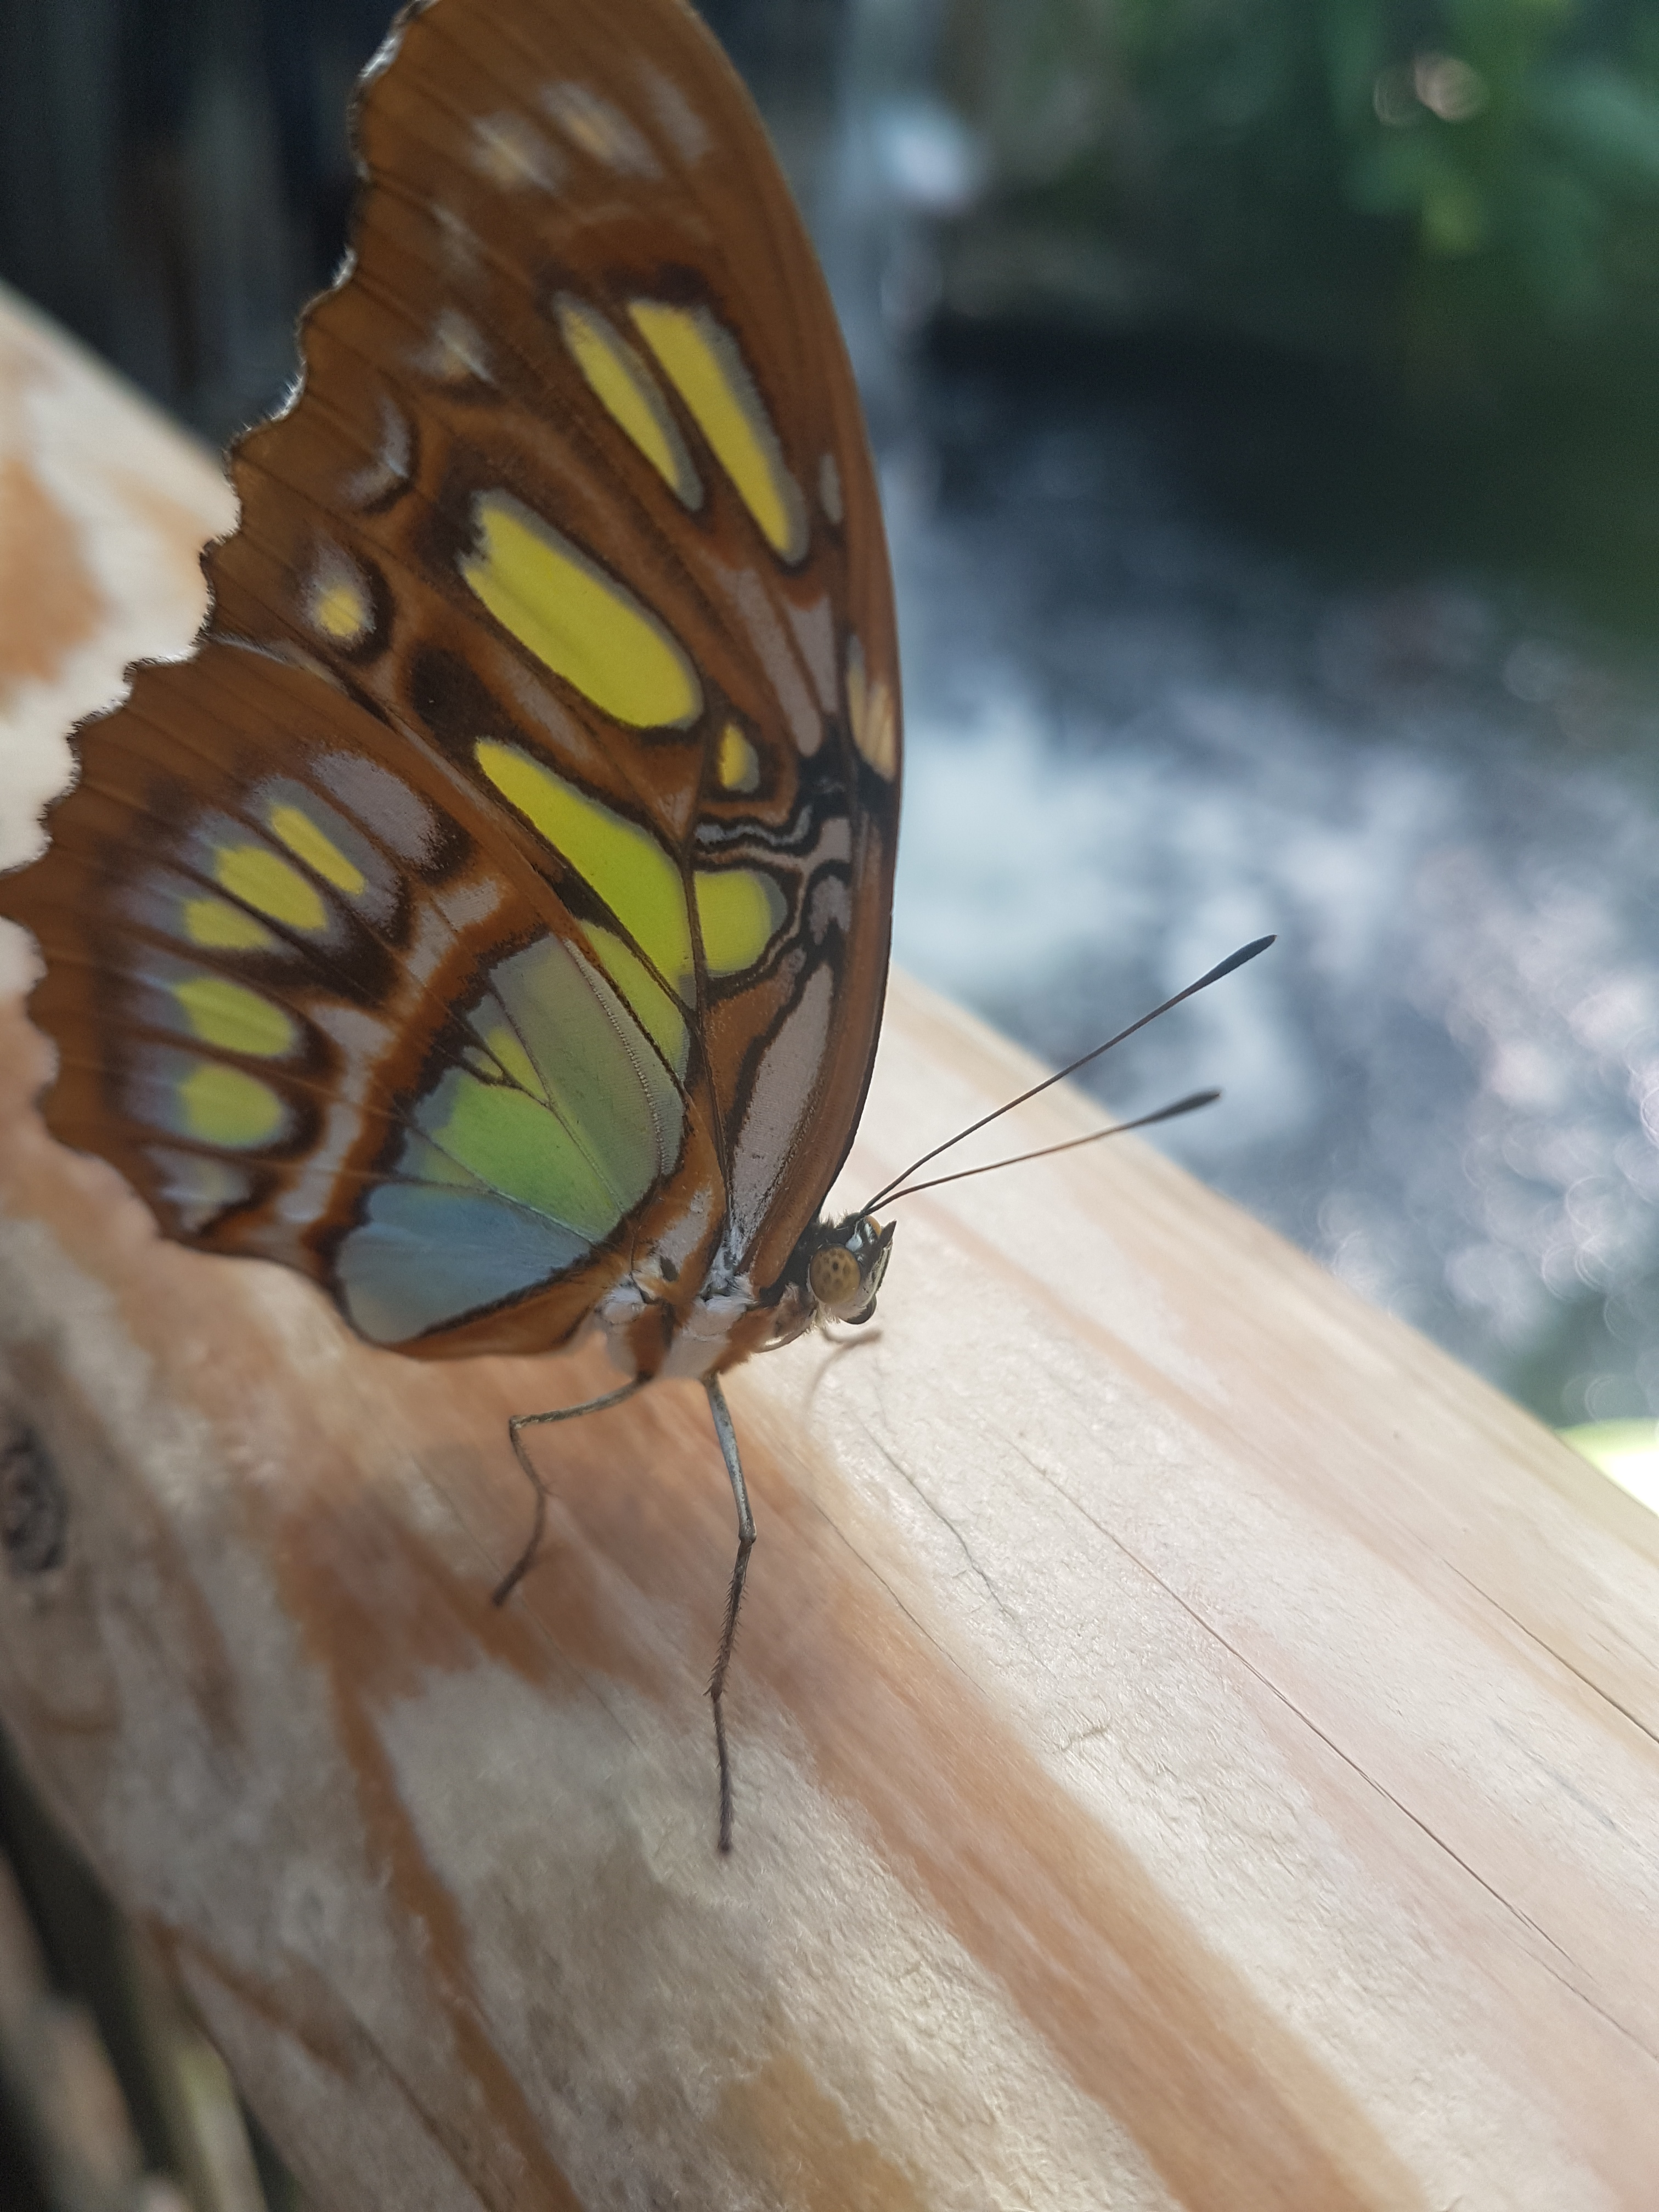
(503, 889)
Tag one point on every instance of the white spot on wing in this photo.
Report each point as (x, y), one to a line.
(784, 1085)
(683, 128)
(872, 711)
(777, 656)
(831, 902)
(390, 467)
(687, 1229)
(600, 130)
(814, 633)
(458, 243)
(829, 488)
(382, 802)
(363, 1036)
(455, 351)
(514, 154)
(467, 904)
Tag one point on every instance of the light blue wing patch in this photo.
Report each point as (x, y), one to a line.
(523, 1156)
(428, 1253)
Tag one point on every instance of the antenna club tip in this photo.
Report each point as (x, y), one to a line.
(1233, 960)
(1187, 1105)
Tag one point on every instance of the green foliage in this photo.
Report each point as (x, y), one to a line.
(1470, 186)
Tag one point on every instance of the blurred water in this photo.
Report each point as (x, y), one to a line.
(1141, 733)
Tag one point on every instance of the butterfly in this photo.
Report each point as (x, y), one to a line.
(490, 918)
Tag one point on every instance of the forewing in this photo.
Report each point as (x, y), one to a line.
(571, 535)
(586, 360)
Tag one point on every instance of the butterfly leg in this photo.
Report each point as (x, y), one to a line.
(728, 1437)
(515, 1428)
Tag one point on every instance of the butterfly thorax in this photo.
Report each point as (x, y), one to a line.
(832, 1274)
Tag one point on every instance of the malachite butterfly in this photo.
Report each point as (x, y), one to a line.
(490, 918)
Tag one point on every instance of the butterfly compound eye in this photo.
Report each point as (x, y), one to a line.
(845, 1273)
(835, 1277)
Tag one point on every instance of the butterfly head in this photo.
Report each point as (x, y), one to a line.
(845, 1261)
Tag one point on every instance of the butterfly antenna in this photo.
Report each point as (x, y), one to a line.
(1070, 1145)
(901, 1185)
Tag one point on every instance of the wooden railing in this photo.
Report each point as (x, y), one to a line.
(1195, 1745)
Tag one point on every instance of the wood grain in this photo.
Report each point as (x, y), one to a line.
(1195, 1745)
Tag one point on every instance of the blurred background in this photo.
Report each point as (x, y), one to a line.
(1265, 397)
